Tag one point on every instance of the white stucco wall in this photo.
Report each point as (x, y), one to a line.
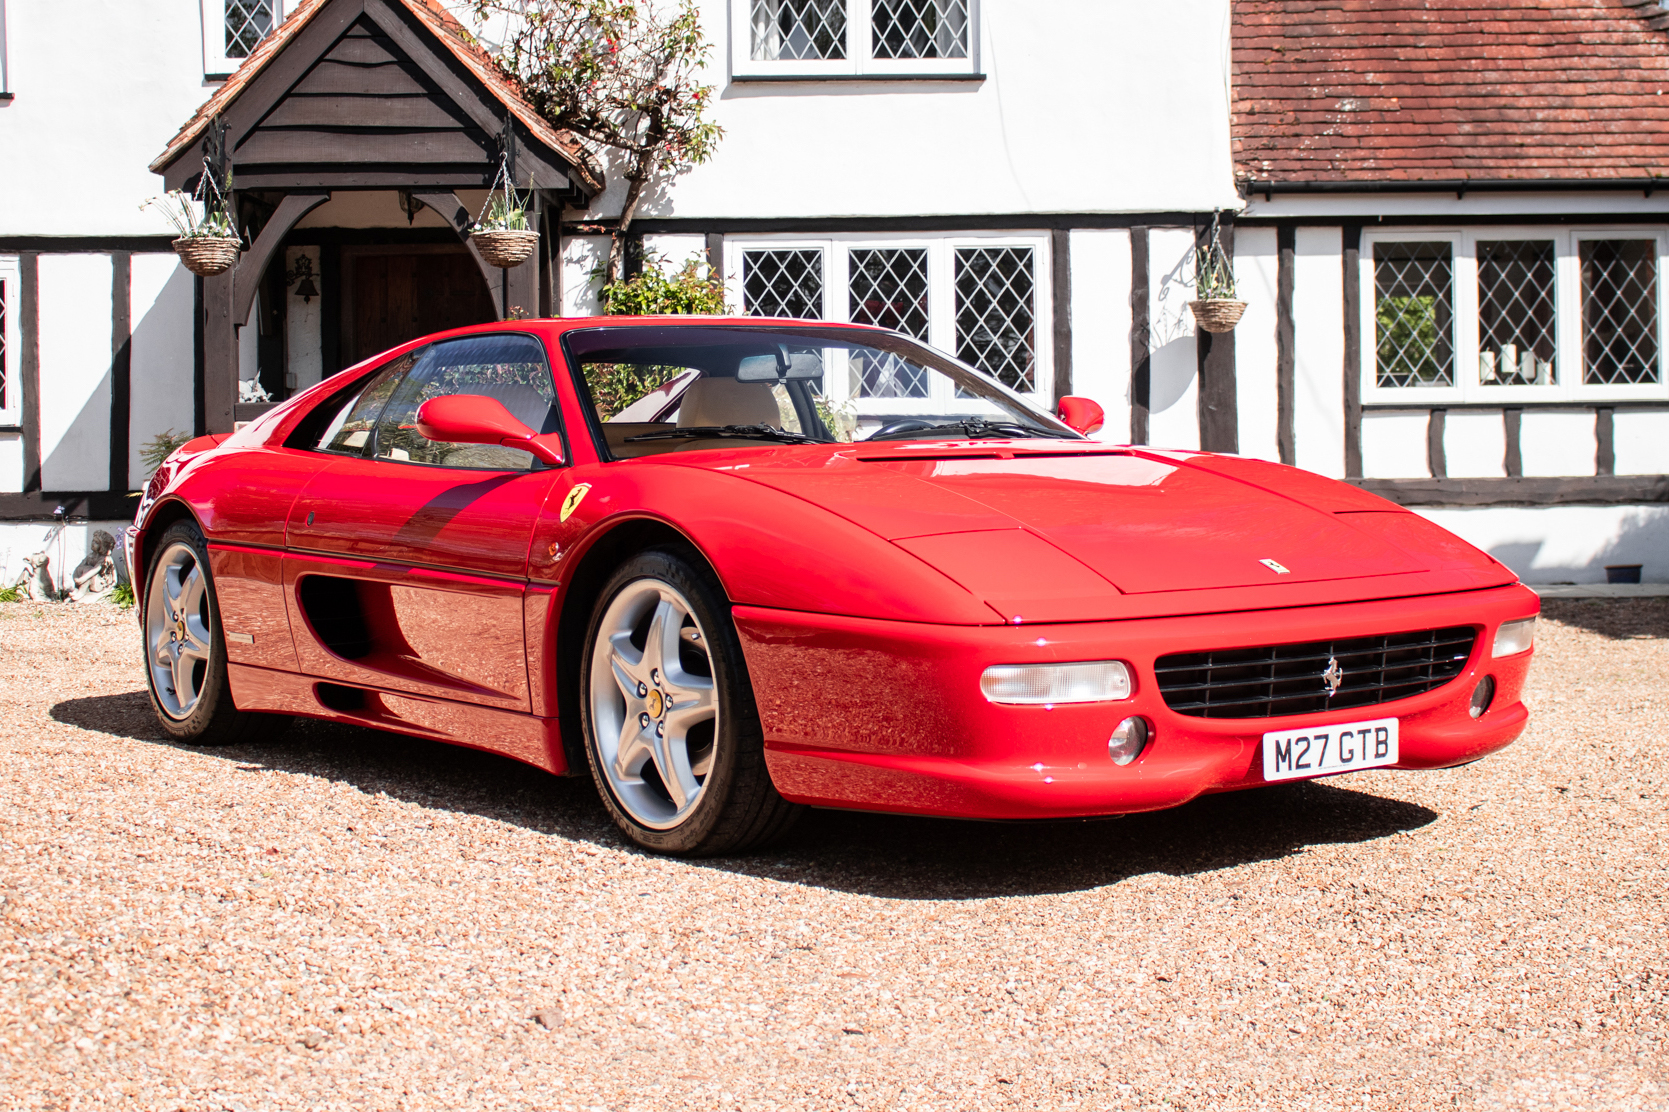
(1174, 383)
(582, 258)
(1256, 262)
(1075, 96)
(65, 546)
(162, 360)
(1394, 446)
(1475, 444)
(1641, 440)
(11, 461)
(1318, 327)
(1101, 321)
(1558, 442)
(303, 335)
(75, 371)
(100, 87)
(1565, 544)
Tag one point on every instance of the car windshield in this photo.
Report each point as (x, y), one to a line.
(665, 388)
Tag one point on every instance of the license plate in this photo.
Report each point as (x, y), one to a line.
(1323, 750)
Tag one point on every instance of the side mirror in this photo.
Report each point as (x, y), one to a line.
(476, 419)
(1081, 414)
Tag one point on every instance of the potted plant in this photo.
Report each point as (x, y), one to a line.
(501, 231)
(1216, 308)
(208, 243)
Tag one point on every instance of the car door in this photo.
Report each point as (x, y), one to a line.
(406, 559)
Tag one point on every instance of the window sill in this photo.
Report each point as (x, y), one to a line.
(6, 98)
(850, 78)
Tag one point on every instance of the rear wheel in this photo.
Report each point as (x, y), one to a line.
(671, 729)
(185, 648)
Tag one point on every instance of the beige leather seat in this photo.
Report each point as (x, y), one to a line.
(724, 401)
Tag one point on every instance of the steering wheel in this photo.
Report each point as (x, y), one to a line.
(908, 424)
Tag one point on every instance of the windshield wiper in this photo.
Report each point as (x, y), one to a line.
(727, 432)
(975, 428)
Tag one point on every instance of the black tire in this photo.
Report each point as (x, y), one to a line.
(212, 718)
(738, 807)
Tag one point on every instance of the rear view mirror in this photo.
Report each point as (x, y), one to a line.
(477, 419)
(773, 368)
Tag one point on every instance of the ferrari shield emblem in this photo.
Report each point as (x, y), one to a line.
(575, 497)
(1271, 565)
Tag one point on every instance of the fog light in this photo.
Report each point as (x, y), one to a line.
(1515, 637)
(1128, 741)
(1482, 696)
(1095, 681)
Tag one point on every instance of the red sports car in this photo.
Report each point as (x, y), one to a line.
(739, 567)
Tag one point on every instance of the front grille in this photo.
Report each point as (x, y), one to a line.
(1288, 679)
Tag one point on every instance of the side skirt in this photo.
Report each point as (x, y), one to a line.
(525, 737)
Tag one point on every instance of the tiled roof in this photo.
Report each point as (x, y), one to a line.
(446, 29)
(1446, 90)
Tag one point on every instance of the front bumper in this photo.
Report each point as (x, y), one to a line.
(888, 716)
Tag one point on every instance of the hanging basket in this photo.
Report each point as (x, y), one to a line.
(207, 256)
(505, 249)
(1217, 314)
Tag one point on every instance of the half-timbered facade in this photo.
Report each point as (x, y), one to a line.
(1454, 285)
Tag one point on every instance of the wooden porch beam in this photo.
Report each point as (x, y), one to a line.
(253, 266)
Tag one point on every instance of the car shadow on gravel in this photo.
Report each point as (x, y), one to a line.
(1621, 619)
(891, 856)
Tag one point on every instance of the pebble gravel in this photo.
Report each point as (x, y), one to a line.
(346, 919)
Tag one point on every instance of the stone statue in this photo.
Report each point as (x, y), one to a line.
(35, 582)
(95, 576)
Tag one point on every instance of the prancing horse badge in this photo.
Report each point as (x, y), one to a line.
(1270, 564)
(572, 502)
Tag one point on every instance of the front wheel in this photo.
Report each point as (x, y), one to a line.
(185, 649)
(671, 730)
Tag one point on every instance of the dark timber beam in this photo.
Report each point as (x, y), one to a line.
(1141, 336)
(253, 266)
(121, 365)
(1609, 490)
(1353, 351)
(220, 353)
(1060, 296)
(1286, 353)
(1219, 408)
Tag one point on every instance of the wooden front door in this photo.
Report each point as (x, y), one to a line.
(396, 295)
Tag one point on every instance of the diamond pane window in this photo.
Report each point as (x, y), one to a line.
(785, 283)
(920, 28)
(1414, 312)
(888, 288)
(798, 30)
(247, 23)
(995, 316)
(1619, 311)
(1515, 313)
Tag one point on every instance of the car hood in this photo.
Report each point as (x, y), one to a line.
(1051, 533)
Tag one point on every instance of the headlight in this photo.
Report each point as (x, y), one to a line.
(1515, 637)
(1096, 681)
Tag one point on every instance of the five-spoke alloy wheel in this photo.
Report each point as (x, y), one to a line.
(185, 648)
(672, 734)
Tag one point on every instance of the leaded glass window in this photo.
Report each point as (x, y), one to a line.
(1619, 311)
(247, 23)
(1516, 299)
(919, 28)
(783, 283)
(1414, 314)
(888, 288)
(995, 313)
(798, 30)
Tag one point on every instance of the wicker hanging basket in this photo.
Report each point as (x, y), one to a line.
(207, 255)
(1217, 314)
(505, 249)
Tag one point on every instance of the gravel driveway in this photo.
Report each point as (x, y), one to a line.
(349, 919)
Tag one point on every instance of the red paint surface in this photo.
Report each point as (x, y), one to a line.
(873, 585)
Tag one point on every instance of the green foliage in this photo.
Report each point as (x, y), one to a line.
(11, 594)
(192, 219)
(506, 212)
(654, 292)
(159, 448)
(123, 596)
(614, 386)
(619, 74)
(1214, 275)
(1409, 340)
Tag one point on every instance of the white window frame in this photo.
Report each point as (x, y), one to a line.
(859, 61)
(1567, 283)
(216, 65)
(11, 368)
(5, 58)
(941, 303)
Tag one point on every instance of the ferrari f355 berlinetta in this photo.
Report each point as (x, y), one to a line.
(734, 568)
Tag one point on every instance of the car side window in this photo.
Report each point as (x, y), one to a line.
(349, 432)
(510, 369)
